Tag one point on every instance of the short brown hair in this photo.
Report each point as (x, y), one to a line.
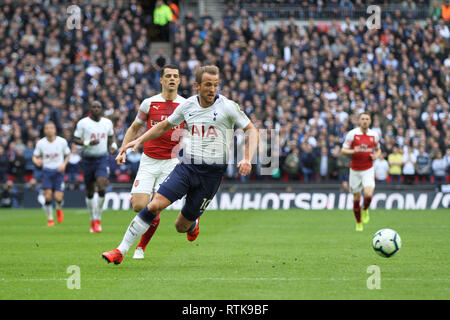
(206, 69)
(169, 66)
(366, 113)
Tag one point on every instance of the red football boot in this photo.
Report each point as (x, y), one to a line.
(192, 235)
(113, 256)
(97, 226)
(60, 215)
(92, 228)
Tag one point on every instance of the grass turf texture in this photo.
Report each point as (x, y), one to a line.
(293, 254)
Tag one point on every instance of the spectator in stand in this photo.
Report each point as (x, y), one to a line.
(322, 165)
(447, 161)
(4, 164)
(409, 166)
(28, 155)
(73, 167)
(381, 167)
(307, 162)
(423, 165)
(343, 163)
(395, 160)
(292, 164)
(17, 165)
(162, 16)
(9, 196)
(175, 10)
(439, 169)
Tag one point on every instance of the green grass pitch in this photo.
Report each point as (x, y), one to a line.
(286, 255)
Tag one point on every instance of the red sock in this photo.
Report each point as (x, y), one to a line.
(357, 210)
(145, 239)
(367, 201)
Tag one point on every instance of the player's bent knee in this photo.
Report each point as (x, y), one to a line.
(138, 206)
(158, 204)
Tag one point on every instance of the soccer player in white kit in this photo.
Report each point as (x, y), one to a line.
(95, 133)
(210, 118)
(158, 158)
(363, 144)
(52, 154)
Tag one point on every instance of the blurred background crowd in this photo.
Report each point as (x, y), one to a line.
(306, 83)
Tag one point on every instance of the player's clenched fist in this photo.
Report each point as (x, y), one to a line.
(245, 167)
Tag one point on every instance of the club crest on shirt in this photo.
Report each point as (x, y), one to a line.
(136, 183)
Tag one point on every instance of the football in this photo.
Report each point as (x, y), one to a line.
(386, 242)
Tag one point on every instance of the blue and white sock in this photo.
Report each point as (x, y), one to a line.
(192, 227)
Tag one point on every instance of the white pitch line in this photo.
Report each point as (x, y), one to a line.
(222, 279)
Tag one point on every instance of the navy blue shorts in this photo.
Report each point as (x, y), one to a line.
(94, 168)
(52, 179)
(198, 183)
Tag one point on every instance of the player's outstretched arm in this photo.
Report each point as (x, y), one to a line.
(245, 165)
(155, 132)
(131, 134)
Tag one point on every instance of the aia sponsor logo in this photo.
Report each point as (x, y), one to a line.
(98, 136)
(201, 131)
(51, 155)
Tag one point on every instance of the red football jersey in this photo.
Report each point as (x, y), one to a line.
(367, 142)
(152, 111)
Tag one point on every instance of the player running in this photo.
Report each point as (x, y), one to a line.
(363, 144)
(210, 118)
(158, 160)
(95, 133)
(52, 154)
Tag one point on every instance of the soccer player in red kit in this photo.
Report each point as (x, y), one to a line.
(159, 158)
(363, 144)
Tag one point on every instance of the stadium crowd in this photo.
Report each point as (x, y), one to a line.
(306, 83)
(320, 9)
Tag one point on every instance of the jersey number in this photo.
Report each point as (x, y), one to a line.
(205, 204)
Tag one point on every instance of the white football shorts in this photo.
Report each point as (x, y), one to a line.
(359, 180)
(151, 174)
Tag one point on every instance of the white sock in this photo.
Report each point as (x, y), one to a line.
(99, 210)
(91, 207)
(49, 211)
(58, 205)
(136, 229)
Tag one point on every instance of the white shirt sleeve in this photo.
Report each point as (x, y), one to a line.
(143, 111)
(79, 130)
(111, 129)
(38, 150)
(66, 147)
(348, 140)
(177, 116)
(238, 116)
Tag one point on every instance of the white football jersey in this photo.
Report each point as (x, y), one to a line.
(52, 153)
(88, 130)
(210, 129)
